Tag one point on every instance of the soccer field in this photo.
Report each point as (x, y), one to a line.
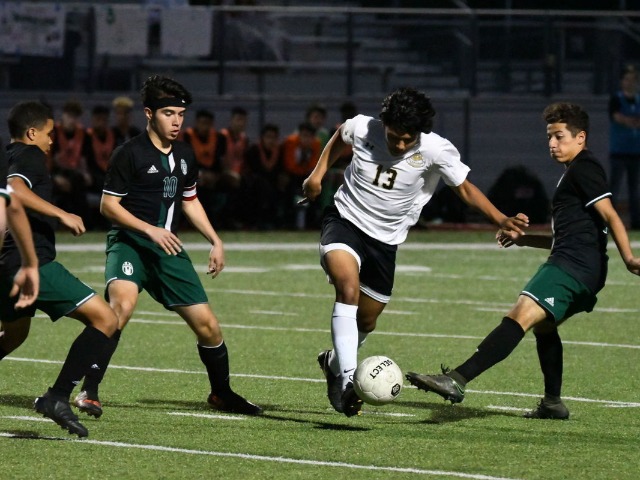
(274, 304)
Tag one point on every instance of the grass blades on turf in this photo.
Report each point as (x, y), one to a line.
(274, 304)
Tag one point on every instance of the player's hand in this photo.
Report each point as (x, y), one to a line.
(311, 188)
(73, 223)
(633, 266)
(216, 260)
(507, 238)
(166, 240)
(26, 283)
(515, 224)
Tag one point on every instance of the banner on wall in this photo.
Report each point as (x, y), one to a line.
(121, 30)
(186, 32)
(32, 29)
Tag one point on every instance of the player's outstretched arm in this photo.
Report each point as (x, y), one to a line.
(472, 196)
(33, 202)
(26, 282)
(312, 185)
(196, 215)
(507, 238)
(608, 213)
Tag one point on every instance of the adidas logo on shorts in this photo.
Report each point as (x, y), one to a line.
(550, 300)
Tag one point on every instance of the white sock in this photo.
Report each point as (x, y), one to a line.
(344, 333)
(334, 366)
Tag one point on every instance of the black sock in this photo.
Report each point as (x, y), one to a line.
(549, 348)
(216, 360)
(493, 349)
(84, 352)
(3, 353)
(95, 375)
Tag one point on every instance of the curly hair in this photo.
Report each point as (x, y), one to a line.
(159, 86)
(408, 110)
(576, 118)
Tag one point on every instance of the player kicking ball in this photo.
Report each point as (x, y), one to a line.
(567, 283)
(396, 165)
(150, 182)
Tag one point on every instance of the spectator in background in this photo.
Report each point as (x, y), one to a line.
(209, 147)
(624, 142)
(100, 142)
(317, 116)
(69, 170)
(263, 192)
(233, 168)
(300, 153)
(335, 175)
(123, 127)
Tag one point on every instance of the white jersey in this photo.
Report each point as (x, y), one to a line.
(384, 195)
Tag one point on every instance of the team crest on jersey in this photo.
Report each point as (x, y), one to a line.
(127, 268)
(416, 160)
(183, 166)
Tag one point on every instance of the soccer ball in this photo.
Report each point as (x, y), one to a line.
(377, 380)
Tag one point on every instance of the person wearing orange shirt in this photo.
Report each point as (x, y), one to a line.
(69, 170)
(300, 153)
(100, 142)
(209, 147)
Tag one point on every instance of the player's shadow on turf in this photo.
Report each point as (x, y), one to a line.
(270, 413)
(446, 413)
(29, 435)
(317, 424)
(17, 400)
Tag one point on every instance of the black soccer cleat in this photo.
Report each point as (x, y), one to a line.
(443, 385)
(58, 410)
(351, 403)
(88, 403)
(334, 382)
(233, 403)
(548, 411)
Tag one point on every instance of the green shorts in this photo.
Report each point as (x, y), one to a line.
(559, 293)
(60, 294)
(171, 280)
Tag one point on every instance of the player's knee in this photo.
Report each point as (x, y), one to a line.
(209, 334)
(348, 294)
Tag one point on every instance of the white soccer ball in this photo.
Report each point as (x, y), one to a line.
(377, 380)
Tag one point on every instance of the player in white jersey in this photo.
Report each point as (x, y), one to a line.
(396, 165)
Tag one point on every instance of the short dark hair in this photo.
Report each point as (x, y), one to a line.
(203, 113)
(159, 86)
(100, 110)
(576, 118)
(306, 127)
(408, 110)
(316, 107)
(26, 115)
(270, 127)
(73, 107)
(239, 111)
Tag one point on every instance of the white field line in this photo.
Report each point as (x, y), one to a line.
(26, 418)
(317, 380)
(507, 409)
(301, 246)
(264, 458)
(203, 415)
(377, 332)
